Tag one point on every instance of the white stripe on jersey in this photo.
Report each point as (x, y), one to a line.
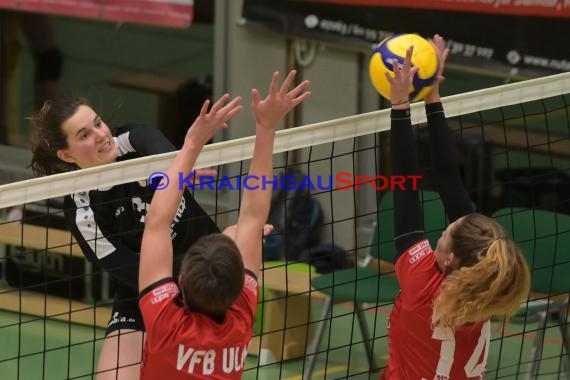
(124, 144)
(85, 221)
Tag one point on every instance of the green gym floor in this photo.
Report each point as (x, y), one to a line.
(55, 350)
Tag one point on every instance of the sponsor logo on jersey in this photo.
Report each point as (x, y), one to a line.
(250, 284)
(119, 211)
(224, 360)
(117, 318)
(160, 298)
(165, 288)
(418, 251)
(164, 292)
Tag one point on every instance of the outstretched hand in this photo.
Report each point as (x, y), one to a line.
(279, 101)
(208, 123)
(442, 52)
(402, 80)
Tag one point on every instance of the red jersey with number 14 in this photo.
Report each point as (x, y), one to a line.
(416, 350)
(186, 345)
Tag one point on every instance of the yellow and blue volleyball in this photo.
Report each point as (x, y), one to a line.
(394, 48)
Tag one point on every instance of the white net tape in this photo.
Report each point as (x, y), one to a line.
(314, 134)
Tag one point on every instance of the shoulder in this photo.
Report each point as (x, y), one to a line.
(124, 137)
(79, 199)
(418, 275)
(135, 140)
(417, 265)
(416, 254)
(127, 128)
(158, 296)
(160, 290)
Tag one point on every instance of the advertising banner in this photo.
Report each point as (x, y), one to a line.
(525, 34)
(172, 13)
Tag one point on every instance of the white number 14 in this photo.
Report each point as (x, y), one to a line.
(473, 368)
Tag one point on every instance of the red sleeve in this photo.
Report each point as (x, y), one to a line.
(418, 275)
(247, 301)
(155, 298)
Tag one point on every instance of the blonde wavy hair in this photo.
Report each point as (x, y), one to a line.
(492, 278)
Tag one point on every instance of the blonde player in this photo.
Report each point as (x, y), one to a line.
(440, 323)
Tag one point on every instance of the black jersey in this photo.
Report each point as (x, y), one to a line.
(108, 223)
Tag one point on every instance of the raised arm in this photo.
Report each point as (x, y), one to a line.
(443, 159)
(255, 204)
(156, 248)
(408, 219)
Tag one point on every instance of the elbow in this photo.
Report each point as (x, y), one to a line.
(152, 218)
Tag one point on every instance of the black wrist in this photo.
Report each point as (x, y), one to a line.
(399, 114)
(434, 108)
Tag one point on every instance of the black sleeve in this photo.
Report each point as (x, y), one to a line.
(408, 219)
(117, 259)
(142, 140)
(444, 165)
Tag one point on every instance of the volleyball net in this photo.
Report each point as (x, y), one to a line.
(327, 286)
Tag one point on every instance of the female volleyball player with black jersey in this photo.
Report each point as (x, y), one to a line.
(108, 223)
(440, 324)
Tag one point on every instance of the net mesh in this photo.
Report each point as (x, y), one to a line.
(513, 144)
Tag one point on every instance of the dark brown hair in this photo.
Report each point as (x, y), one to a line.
(48, 136)
(212, 275)
(492, 278)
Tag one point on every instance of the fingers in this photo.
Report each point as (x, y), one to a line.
(204, 109)
(216, 107)
(219, 114)
(396, 69)
(255, 96)
(300, 99)
(235, 103)
(274, 81)
(444, 55)
(389, 77)
(288, 81)
(413, 72)
(438, 42)
(229, 110)
(232, 113)
(439, 46)
(297, 90)
(401, 72)
(267, 229)
(408, 61)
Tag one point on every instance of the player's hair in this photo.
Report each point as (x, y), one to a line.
(492, 278)
(48, 136)
(212, 275)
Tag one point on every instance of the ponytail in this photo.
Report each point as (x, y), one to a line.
(495, 284)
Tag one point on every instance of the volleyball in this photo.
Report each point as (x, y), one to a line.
(394, 47)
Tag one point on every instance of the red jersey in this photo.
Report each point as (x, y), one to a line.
(186, 345)
(416, 350)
